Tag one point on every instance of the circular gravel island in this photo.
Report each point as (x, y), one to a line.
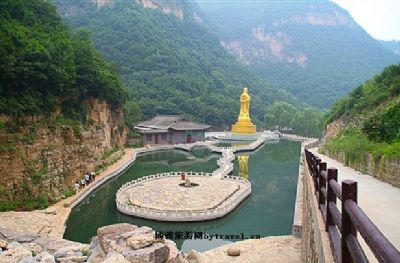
(161, 197)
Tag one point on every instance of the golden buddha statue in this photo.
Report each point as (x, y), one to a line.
(244, 124)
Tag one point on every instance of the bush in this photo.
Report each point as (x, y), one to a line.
(355, 144)
(384, 126)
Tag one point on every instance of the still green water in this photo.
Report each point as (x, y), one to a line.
(273, 171)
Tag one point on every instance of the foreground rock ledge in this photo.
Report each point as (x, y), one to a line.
(114, 243)
(125, 243)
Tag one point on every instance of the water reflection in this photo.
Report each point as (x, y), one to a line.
(243, 161)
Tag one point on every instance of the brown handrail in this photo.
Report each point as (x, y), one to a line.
(379, 244)
(343, 227)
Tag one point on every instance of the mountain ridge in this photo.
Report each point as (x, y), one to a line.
(173, 65)
(314, 50)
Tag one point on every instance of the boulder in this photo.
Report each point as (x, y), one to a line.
(25, 238)
(180, 258)
(45, 257)
(115, 258)
(44, 241)
(96, 254)
(141, 241)
(13, 245)
(173, 250)
(7, 233)
(77, 259)
(155, 253)
(28, 260)
(138, 231)
(63, 245)
(15, 254)
(233, 251)
(107, 234)
(196, 257)
(61, 253)
(33, 247)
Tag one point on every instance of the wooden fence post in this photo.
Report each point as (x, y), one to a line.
(321, 183)
(316, 173)
(349, 192)
(331, 197)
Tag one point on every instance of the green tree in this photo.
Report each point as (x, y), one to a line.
(309, 122)
(132, 114)
(43, 66)
(279, 115)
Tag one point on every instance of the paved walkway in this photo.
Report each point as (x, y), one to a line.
(166, 194)
(280, 249)
(379, 200)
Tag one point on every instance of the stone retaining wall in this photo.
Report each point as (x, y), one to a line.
(315, 246)
(308, 222)
(306, 143)
(383, 168)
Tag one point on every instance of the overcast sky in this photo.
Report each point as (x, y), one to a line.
(380, 18)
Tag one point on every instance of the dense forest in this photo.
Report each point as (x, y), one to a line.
(173, 65)
(284, 117)
(313, 49)
(371, 113)
(44, 66)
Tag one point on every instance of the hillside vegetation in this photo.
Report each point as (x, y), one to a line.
(371, 114)
(307, 122)
(50, 77)
(44, 66)
(173, 65)
(313, 49)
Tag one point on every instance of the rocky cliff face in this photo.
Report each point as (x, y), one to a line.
(44, 159)
(332, 130)
(179, 9)
(273, 40)
(168, 7)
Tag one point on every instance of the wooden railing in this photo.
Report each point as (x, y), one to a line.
(343, 227)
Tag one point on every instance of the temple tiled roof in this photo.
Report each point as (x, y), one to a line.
(163, 123)
(188, 125)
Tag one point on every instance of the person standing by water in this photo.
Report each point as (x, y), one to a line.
(87, 178)
(92, 176)
(83, 183)
(77, 186)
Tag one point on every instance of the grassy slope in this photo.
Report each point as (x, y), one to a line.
(372, 116)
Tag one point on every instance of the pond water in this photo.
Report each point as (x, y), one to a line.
(268, 211)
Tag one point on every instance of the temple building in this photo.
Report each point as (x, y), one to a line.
(171, 129)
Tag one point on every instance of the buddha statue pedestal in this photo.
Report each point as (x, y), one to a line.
(244, 127)
(244, 124)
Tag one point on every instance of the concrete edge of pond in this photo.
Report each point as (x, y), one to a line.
(298, 211)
